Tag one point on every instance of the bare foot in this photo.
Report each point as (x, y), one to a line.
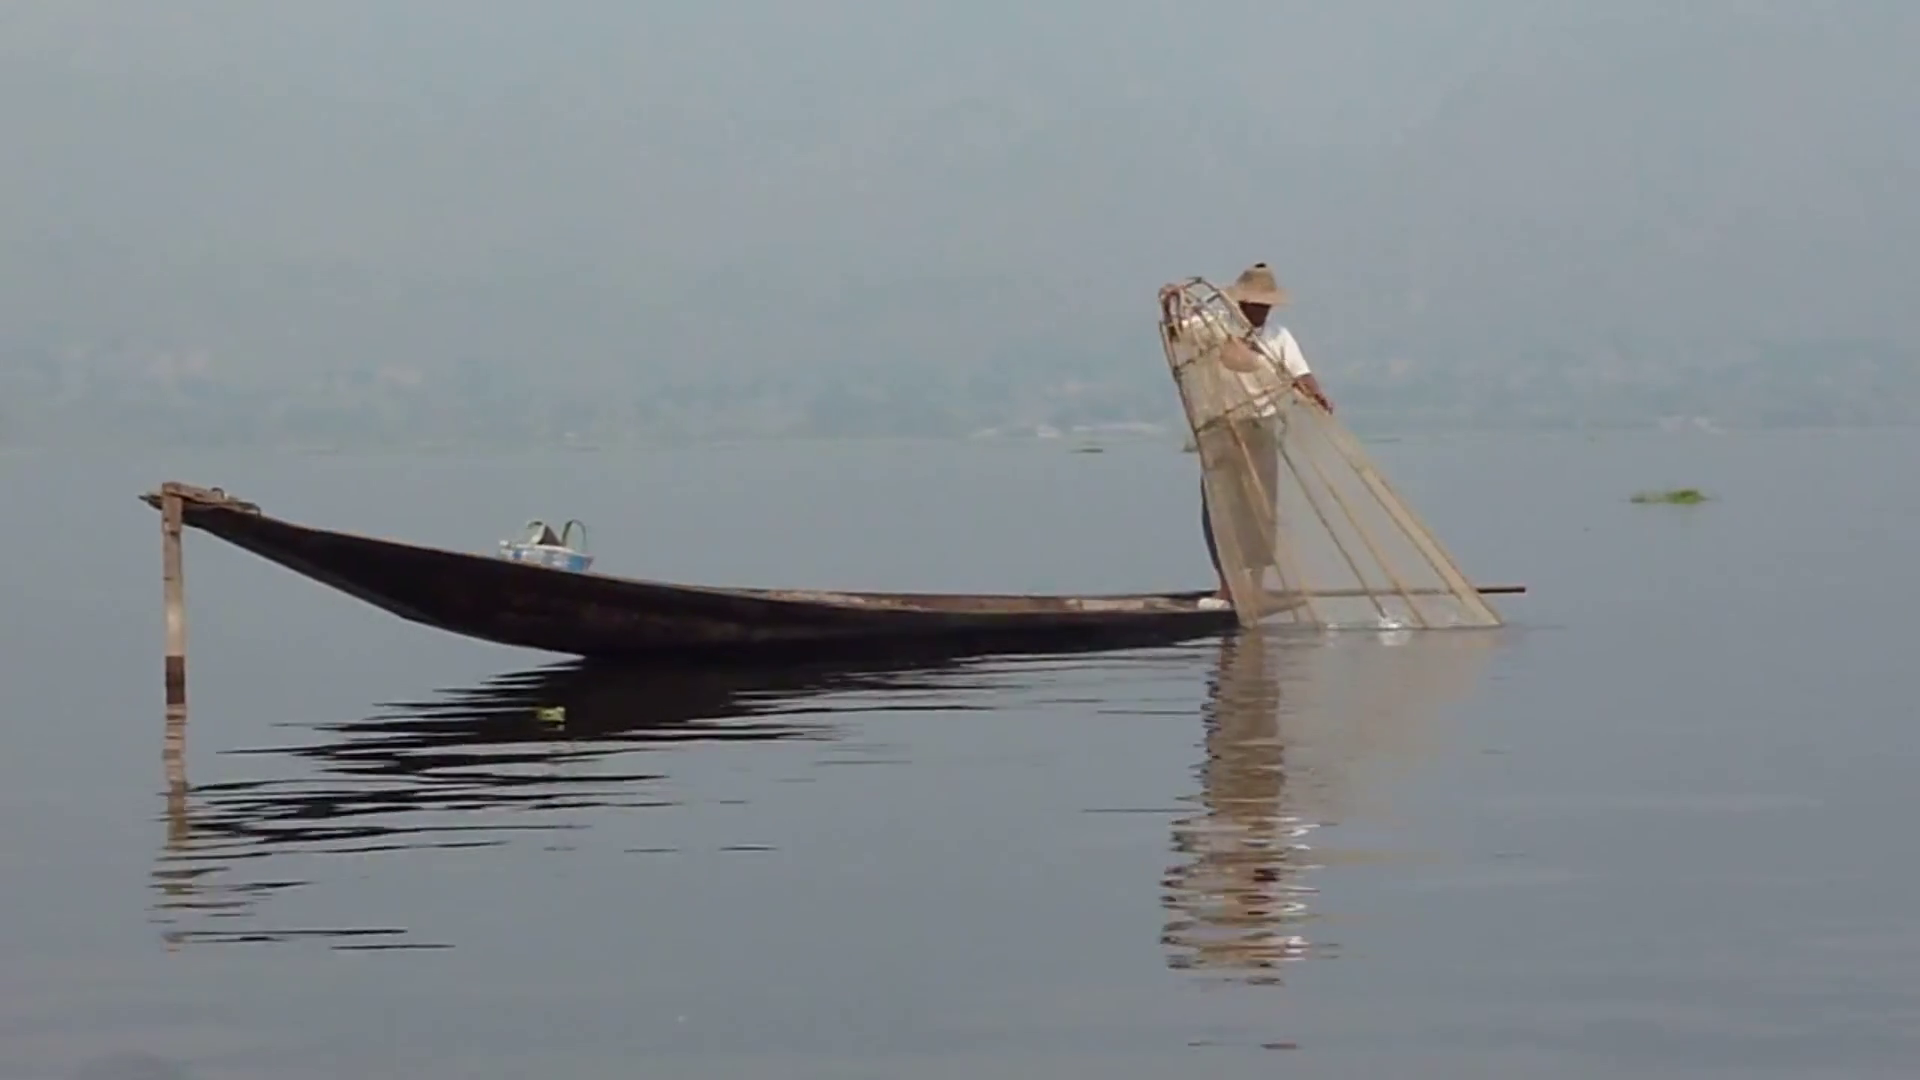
(1218, 601)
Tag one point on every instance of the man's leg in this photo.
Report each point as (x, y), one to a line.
(1253, 538)
(1213, 548)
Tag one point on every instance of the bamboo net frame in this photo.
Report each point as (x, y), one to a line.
(1307, 528)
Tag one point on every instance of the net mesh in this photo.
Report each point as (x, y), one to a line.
(1306, 527)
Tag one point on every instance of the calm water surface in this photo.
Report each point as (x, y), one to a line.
(1660, 826)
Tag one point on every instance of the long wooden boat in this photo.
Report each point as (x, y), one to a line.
(595, 615)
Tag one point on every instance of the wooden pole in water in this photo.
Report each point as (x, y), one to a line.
(174, 587)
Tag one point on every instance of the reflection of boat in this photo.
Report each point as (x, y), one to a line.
(593, 614)
(471, 747)
(571, 707)
(471, 767)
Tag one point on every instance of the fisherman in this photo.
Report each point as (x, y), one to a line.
(1270, 349)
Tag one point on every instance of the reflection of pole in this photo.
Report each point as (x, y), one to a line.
(174, 587)
(175, 886)
(173, 756)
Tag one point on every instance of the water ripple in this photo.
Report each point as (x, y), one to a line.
(1286, 725)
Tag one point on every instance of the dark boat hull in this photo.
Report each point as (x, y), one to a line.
(600, 616)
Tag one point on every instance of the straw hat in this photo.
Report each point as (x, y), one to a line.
(1255, 285)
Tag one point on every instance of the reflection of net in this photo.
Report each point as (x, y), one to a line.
(1307, 528)
(1277, 770)
(1363, 710)
(1232, 901)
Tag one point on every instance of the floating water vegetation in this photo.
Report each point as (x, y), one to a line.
(1672, 497)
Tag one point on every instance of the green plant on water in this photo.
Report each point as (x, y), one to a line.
(1672, 497)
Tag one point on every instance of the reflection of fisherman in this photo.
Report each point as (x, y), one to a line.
(1252, 362)
(1289, 731)
(1231, 902)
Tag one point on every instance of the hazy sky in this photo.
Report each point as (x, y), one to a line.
(681, 190)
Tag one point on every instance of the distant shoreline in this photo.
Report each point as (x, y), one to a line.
(1066, 441)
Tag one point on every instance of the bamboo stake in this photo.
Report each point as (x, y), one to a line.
(174, 588)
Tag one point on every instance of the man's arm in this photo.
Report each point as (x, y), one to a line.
(1310, 386)
(1294, 362)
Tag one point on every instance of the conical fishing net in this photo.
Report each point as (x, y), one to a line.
(1307, 529)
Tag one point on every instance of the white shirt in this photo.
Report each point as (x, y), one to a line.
(1272, 341)
(1281, 348)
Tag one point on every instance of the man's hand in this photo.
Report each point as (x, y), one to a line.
(1310, 386)
(1169, 294)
